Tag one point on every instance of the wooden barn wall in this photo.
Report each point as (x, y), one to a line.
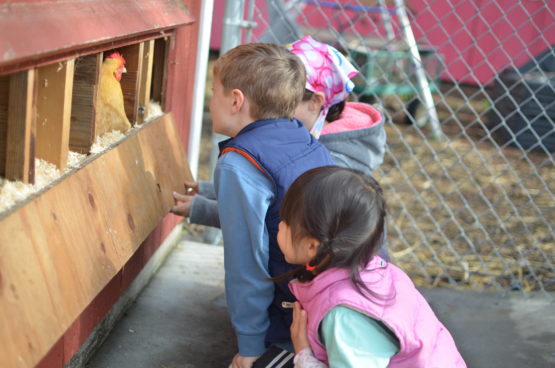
(179, 98)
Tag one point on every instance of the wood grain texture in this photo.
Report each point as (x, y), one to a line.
(20, 142)
(55, 86)
(145, 81)
(59, 249)
(4, 102)
(85, 94)
(133, 56)
(160, 69)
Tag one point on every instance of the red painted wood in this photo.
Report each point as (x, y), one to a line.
(95, 312)
(134, 266)
(55, 357)
(181, 73)
(70, 28)
(72, 338)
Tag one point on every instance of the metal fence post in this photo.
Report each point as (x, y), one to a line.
(427, 98)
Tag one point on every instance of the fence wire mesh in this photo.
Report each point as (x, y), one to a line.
(471, 199)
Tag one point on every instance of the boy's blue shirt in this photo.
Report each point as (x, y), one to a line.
(240, 185)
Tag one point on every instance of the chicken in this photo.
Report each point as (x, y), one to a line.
(110, 111)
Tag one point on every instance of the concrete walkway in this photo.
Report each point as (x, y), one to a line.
(179, 320)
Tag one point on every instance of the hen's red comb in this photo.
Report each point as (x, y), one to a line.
(116, 55)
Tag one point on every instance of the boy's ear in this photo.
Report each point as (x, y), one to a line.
(238, 100)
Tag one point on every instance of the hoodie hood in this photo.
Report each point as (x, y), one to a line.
(357, 139)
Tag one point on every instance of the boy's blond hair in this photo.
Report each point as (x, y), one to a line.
(271, 77)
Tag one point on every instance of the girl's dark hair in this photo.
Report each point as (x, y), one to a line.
(334, 112)
(344, 210)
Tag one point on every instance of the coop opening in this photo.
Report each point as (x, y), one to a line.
(53, 117)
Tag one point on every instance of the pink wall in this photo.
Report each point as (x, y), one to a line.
(218, 17)
(477, 38)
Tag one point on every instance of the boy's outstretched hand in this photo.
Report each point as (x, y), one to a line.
(182, 205)
(182, 202)
(240, 361)
(298, 328)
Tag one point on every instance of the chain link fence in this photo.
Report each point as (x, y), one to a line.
(468, 92)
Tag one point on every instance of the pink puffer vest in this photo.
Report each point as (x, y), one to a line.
(424, 341)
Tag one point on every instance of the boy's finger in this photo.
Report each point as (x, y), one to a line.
(178, 210)
(179, 197)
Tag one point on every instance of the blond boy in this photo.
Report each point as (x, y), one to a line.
(256, 90)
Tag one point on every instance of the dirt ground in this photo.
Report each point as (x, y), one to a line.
(463, 212)
(468, 214)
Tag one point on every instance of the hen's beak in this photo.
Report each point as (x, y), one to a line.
(124, 70)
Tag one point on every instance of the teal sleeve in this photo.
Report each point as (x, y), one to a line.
(353, 339)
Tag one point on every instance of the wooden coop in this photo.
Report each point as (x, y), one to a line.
(72, 247)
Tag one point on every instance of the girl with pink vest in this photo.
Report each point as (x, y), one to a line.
(354, 309)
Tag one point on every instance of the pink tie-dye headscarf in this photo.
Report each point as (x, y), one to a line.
(327, 71)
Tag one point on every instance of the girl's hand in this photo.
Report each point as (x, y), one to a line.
(298, 328)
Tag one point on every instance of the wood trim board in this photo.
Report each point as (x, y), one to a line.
(55, 86)
(21, 129)
(86, 78)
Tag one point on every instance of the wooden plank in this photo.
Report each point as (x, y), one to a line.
(55, 88)
(20, 147)
(159, 70)
(85, 89)
(145, 81)
(38, 31)
(133, 56)
(59, 249)
(4, 102)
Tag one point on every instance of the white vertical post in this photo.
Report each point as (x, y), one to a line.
(387, 21)
(200, 84)
(428, 101)
(232, 27)
(250, 24)
(231, 37)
